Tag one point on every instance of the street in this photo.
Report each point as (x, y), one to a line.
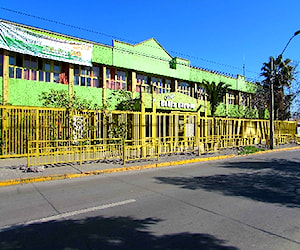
(250, 202)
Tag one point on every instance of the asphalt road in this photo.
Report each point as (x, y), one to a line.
(241, 203)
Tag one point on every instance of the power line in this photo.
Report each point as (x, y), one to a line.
(129, 41)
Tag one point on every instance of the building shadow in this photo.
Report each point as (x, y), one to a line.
(102, 233)
(272, 181)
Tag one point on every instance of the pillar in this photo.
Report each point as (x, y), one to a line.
(5, 85)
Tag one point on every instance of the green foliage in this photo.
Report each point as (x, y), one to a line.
(124, 100)
(221, 110)
(250, 150)
(116, 128)
(215, 94)
(62, 99)
(74, 112)
(282, 76)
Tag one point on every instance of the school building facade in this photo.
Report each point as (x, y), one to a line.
(173, 99)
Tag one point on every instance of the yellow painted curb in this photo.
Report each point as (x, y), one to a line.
(125, 169)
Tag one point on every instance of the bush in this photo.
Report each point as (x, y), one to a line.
(250, 150)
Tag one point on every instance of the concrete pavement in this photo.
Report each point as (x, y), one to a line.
(13, 171)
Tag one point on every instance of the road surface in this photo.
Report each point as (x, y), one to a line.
(248, 202)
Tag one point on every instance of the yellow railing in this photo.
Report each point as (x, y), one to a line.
(49, 152)
(140, 150)
(217, 143)
(176, 132)
(175, 145)
(70, 151)
(284, 139)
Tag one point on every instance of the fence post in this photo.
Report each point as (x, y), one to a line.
(123, 151)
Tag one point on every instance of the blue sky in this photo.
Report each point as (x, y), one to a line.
(215, 34)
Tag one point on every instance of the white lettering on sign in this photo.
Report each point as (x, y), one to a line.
(171, 104)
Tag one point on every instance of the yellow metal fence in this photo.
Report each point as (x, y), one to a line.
(79, 151)
(69, 151)
(174, 132)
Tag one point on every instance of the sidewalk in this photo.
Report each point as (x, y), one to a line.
(13, 171)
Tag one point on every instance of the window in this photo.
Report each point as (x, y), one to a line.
(157, 82)
(30, 68)
(167, 88)
(184, 87)
(116, 79)
(162, 86)
(110, 78)
(245, 99)
(142, 80)
(121, 80)
(36, 69)
(86, 76)
(200, 92)
(231, 98)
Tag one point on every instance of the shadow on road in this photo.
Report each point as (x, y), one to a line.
(102, 233)
(272, 181)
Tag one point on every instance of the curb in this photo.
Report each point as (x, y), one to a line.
(18, 181)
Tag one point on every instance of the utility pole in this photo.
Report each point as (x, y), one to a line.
(272, 103)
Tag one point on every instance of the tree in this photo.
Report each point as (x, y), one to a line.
(282, 77)
(61, 99)
(75, 115)
(215, 94)
(124, 100)
(259, 100)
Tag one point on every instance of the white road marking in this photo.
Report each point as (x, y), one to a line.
(69, 214)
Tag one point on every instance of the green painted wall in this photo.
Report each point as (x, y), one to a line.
(148, 57)
(26, 93)
(102, 55)
(92, 95)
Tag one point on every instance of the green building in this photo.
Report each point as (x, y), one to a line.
(33, 61)
(169, 108)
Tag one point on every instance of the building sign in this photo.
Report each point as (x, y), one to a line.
(25, 41)
(171, 101)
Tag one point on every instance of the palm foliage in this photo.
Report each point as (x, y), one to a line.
(215, 94)
(282, 76)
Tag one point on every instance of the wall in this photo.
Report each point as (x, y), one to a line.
(92, 95)
(26, 92)
(148, 57)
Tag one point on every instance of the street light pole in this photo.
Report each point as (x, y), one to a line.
(272, 128)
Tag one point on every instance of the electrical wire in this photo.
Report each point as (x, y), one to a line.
(134, 42)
